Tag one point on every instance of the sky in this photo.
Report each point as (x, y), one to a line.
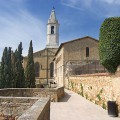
(25, 20)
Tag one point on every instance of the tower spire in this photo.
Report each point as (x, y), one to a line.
(52, 31)
(52, 17)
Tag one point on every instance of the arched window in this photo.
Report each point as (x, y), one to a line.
(37, 69)
(51, 69)
(87, 51)
(52, 29)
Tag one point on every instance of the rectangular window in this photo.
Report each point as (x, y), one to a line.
(87, 51)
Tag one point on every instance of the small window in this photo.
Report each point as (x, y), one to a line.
(87, 51)
(52, 29)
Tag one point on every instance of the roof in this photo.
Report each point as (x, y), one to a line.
(74, 41)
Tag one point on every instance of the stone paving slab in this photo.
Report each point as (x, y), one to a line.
(75, 107)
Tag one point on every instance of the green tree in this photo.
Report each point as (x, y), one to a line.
(19, 80)
(1, 73)
(5, 69)
(9, 72)
(30, 71)
(109, 44)
(13, 69)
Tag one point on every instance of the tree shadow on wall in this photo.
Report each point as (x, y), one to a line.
(65, 98)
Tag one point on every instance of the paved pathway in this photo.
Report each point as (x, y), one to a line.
(75, 107)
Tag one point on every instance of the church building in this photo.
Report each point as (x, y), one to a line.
(43, 59)
(50, 63)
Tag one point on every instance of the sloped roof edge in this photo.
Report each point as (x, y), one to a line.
(73, 41)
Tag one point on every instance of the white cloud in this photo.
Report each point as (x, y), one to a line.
(111, 1)
(100, 8)
(77, 4)
(18, 25)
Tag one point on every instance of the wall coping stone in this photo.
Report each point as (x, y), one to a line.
(34, 112)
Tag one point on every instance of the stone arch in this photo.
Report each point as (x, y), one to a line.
(52, 29)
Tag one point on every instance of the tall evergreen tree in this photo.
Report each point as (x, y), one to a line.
(13, 66)
(5, 69)
(19, 71)
(11, 69)
(2, 82)
(0, 77)
(9, 72)
(30, 71)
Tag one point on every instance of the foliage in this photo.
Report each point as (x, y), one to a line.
(104, 106)
(11, 70)
(30, 71)
(99, 97)
(81, 86)
(109, 44)
(5, 69)
(19, 78)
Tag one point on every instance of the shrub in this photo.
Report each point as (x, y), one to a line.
(109, 44)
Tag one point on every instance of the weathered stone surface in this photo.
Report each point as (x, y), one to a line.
(25, 108)
(13, 107)
(39, 111)
(98, 88)
(54, 93)
(73, 51)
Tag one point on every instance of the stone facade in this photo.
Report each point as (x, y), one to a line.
(55, 94)
(98, 88)
(42, 69)
(74, 50)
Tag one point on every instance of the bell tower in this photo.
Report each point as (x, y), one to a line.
(52, 31)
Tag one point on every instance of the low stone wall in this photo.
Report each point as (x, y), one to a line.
(98, 88)
(39, 111)
(14, 106)
(54, 93)
(24, 108)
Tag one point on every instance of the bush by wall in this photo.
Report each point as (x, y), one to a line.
(109, 45)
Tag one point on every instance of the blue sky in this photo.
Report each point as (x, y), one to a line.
(25, 20)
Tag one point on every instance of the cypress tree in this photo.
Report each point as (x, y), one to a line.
(5, 70)
(19, 71)
(11, 69)
(9, 72)
(30, 71)
(0, 77)
(14, 69)
(1, 73)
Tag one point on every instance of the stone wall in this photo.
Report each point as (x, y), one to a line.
(39, 111)
(98, 88)
(15, 106)
(24, 108)
(40, 58)
(54, 93)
